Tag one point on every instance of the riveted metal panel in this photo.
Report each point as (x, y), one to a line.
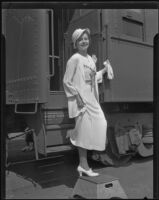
(133, 72)
(131, 58)
(27, 61)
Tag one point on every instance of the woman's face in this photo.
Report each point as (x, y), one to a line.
(83, 42)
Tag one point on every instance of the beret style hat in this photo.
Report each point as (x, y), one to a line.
(77, 33)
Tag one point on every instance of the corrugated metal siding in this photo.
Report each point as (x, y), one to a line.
(26, 55)
(131, 56)
(133, 69)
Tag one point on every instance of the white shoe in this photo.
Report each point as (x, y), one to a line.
(87, 172)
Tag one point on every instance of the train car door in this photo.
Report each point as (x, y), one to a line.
(56, 119)
(92, 19)
(86, 18)
(57, 99)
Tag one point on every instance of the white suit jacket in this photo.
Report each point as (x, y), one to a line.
(74, 82)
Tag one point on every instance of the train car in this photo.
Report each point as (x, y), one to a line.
(38, 45)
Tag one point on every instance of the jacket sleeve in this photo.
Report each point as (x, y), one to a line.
(69, 88)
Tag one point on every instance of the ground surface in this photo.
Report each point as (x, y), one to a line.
(56, 177)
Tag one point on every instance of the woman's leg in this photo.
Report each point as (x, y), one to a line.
(83, 158)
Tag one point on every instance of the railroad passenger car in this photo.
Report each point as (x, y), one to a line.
(38, 45)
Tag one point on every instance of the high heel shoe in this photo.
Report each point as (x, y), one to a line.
(87, 172)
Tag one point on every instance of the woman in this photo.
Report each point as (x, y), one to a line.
(81, 88)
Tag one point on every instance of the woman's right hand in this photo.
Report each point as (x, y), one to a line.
(80, 102)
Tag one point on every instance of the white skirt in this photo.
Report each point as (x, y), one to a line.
(91, 126)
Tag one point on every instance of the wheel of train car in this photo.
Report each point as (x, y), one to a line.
(111, 156)
(145, 148)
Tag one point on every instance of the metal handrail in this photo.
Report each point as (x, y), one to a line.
(52, 56)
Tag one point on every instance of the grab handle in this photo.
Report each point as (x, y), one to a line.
(32, 112)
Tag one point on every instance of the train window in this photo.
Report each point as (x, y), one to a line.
(132, 28)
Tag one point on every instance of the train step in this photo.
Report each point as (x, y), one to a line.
(59, 126)
(56, 116)
(147, 140)
(58, 134)
(60, 148)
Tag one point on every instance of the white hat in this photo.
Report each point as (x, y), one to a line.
(77, 33)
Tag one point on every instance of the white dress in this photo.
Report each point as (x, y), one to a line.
(91, 125)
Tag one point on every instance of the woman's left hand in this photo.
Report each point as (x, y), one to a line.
(105, 63)
(105, 69)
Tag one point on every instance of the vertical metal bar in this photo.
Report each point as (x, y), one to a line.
(156, 114)
(45, 138)
(35, 145)
(144, 26)
(51, 54)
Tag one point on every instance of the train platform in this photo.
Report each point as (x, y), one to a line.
(55, 177)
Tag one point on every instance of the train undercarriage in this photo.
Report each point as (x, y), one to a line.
(128, 133)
